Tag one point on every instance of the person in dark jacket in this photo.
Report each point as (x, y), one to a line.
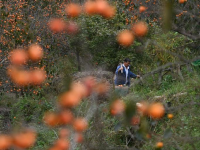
(123, 73)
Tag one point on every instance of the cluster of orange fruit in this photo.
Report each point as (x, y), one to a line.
(58, 25)
(67, 101)
(20, 57)
(21, 140)
(126, 37)
(154, 110)
(98, 7)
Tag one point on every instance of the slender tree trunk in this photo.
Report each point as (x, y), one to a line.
(78, 59)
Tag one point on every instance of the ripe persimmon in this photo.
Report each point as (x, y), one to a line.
(142, 9)
(37, 76)
(35, 52)
(56, 25)
(69, 99)
(54, 148)
(101, 88)
(159, 144)
(117, 107)
(24, 139)
(65, 117)
(63, 133)
(80, 124)
(156, 110)
(73, 10)
(79, 89)
(109, 12)
(79, 137)
(125, 38)
(72, 27)
(62, 144)
(182, 1)
(51, 119)
(21, 78)
(101, 6)
(142, 107)
(89, 83)
(140, 29)
(170, 116)
(90, 7)
(18, 57)
(5, 141)
(135, 120)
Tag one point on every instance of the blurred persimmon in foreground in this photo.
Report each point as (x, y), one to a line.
(140, 29)
(37, 76)
(57, 25)
(142, 9)
(79, 89)
(109, 12)
(18, 57)
(182, 1)
(142, 107)
(69, 99)
(21, 78)
(101, 6)
(63, 133)
(5, 141)
(79, 137)
(35, 52)
(90, 7)
(135, 120)
(125, 38)
(117, 107)
(101, 88)
(73, 10)
(51, 119)
(24, 139)
(80, 124)
(156, 110)
(65, 117)
(72, 27)
(90, 83)
(12, 71)
(62, 144)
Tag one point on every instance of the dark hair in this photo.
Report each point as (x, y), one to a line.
(127, 60)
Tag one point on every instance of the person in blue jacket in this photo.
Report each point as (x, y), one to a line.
(123, 73)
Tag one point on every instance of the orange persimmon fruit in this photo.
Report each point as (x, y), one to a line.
(51, 119)
(24, 139)
(156, 110)
(73, 10)
(57, 25)
(140, 29)
(5, 141)
(37, 76)
(65, 117)
(117, 107)
(80, 124)
(142, 9)
(35, 52)
(18, 57)
(125, 38)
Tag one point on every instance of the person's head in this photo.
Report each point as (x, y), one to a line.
(127, 62)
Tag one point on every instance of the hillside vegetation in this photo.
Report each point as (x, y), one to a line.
(75, 104)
